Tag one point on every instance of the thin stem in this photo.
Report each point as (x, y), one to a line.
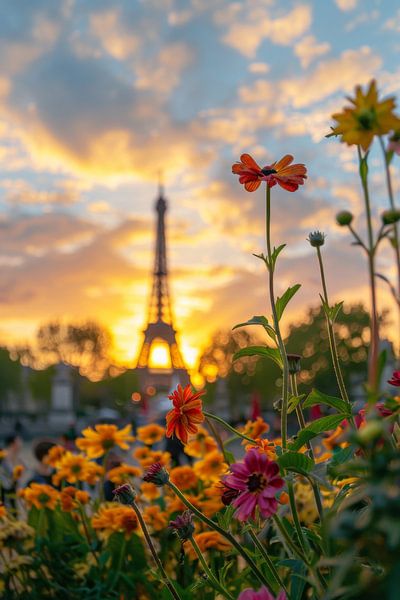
(267, 559)
(229, 427)
(374, 347)
(281, 345)
(208, 571)
(332, 340)
(296, 520)
(218, 439)
(226, 534)
(86, 530)
(357, 238)
(157, 560)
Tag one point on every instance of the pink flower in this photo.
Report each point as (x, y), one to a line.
(257, 480)
(395, 379)
(262, 594)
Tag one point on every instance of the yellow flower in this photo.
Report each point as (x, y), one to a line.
(17, 471)
(3, 511)
(102, 438)
(264, 446)
(209, 540)
(147, 457)
(54, 455)
(155, 517)
(71, 497)
(150, 434)
(123, 473)
(305, 502)
(150, 491)
(40, 495)
(367, 117)
(254, 429)
(73, 468)
(184, 477)
(113, 518)
(212, 467)
(212, 503)
(200, 444)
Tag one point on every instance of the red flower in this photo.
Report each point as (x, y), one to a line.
(395, 379)
(186, 414)
(282, 172)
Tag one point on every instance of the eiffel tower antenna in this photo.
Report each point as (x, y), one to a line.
(160, 328)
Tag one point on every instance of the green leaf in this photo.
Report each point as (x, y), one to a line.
(276, 252)
(335, 310)
(295, 461)
(317, 397)
(294, 402)
(382, 358)
(364, 168)
(259, 320)
(264, 351)
(315, 428)
(282, 302)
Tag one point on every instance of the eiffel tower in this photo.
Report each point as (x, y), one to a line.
(160, 331)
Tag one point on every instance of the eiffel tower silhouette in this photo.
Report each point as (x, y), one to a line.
(160, 329)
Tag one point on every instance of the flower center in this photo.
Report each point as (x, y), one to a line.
(43, 498)
(367, 118)
(256, 482)
(268, 171)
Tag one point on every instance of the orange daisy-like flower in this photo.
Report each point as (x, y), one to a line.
(264, 446)
(200, 444)
(155, 517)
(209, 540)
(183, 477)
(17, 471)
(40, 495)
(187, 413)
(3, 511)
(54, 455)
(150, 434)
(73, 468)
(367, 117)
(150, 491)
(281, 172)
(123, 473)
(114, 518)
(255, 428)
(212, 467)
(102, 438)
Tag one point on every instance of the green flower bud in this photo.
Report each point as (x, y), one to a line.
(344, 218)
(316, 238)
(125, 494)
(294, 363)
(390, 217)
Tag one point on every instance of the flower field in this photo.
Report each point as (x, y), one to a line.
(310, 514)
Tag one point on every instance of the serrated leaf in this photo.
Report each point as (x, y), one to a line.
(315, 428)
(295, 461)
(281, 302)
(317, 397)
(294, 402)
(264, 351)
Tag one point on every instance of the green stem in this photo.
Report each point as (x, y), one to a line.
(281, 345)
(86, 530)
(296, 520)
(218, 439)
(157, 560)
(226, 534)
(267, 559)
(374, 347)
(229, 427)
(208, 571)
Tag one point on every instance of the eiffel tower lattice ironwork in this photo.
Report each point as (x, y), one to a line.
(160, 331)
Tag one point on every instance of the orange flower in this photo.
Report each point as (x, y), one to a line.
(264, 446)
(186, 414)
(54, 455)
(114, 518)
(282, 172)
(335, 439)
(3, 511)
(102, 438)
(183, 477)
(254, 429)
(367, 117)
(212, 502)
(73, 468)
(123, 473)
(175, 504)
(17, 472)
(200, 444)
(40, 495)
(212, 467)
(150, 434)
(209, 540)
(150, 491)
(155, 517)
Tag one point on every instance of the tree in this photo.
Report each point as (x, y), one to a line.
(86, 345)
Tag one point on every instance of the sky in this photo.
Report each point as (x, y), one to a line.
(98, 98)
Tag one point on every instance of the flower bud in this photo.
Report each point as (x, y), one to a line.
(344, 218)
(183, 525)
(316, 238)
(157, 474)
(390, 217)
(294, 363)
(125, 494)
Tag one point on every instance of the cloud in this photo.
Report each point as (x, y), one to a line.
(393, 23)
(346, 5)
(259, 67)
(162, 73)
(307, 49)
(250, 23)
(20, 192)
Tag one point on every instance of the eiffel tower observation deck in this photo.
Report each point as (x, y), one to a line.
(160, 363)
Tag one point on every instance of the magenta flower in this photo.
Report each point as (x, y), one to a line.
(262, 594)
(395, 379)
(257, 480)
